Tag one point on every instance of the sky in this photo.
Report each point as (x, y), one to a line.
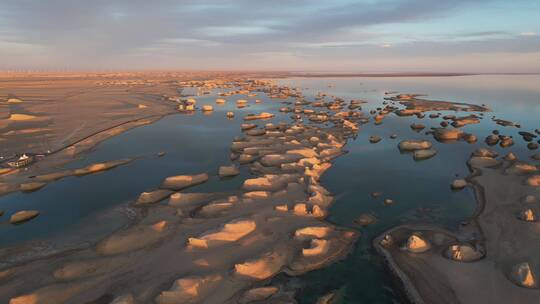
(488, 36)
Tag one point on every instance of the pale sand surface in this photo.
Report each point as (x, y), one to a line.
(430, 277)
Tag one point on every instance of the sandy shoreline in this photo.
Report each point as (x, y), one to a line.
(493, 213)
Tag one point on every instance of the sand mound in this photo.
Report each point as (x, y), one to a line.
(411, 145)
(320, 197)
(317, 170)
(94, 168)
(482, 162)
(21, 117)
(56, 293)
(416, 244)
(30, 187)
(424, 154)
(458, 184)
(180, 182)
(528, 215)
(276, 160)
(153, 196)
(523, 276)
(306, 152)
(483, 152)
(366, 219)
(443, 134)
(14, 100)
(464, 253)
(269, 182)
(189, 290)
(189, 199)
(534, 180)
(312, 232)
(521, 168)
(318, 247)
(215, 208)
(264, 267)
(226, 171)
(132, 239)
(258, 294)
(23, 216)
(262, 115)
(231, 232)
(257, 195)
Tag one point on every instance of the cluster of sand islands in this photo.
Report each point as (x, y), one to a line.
(225, 247)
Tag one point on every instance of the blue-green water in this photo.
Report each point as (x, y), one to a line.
(200, 143)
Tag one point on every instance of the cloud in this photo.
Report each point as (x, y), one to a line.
(215, 33)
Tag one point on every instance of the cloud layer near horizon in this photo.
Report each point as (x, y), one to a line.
(344, 35)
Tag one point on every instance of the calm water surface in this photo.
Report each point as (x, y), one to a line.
(200, 143)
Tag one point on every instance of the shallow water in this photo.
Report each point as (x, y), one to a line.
(421, 189)
(200, 143)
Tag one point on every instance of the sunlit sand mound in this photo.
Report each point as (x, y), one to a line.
(231, 232)
(21, 117)
(534, 181)
(263, 267)
(256, 195)
(94, 168)
(180, 182)
(207, 108)
(416, 244)
(14, 100)
(424, 154)
(521, 168)
(216, 207)
(29, 187)
(227, 171)
(269, 182)
(276, 160)
(523, 276)
(482, 162)
(464, 253)
(458, 184)
(411, 145)
(23, 216)
(312, 232)
(528, 215)
(179, 199)
(317, 247)
(262, 115)
(321, 252)
(153, 196)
